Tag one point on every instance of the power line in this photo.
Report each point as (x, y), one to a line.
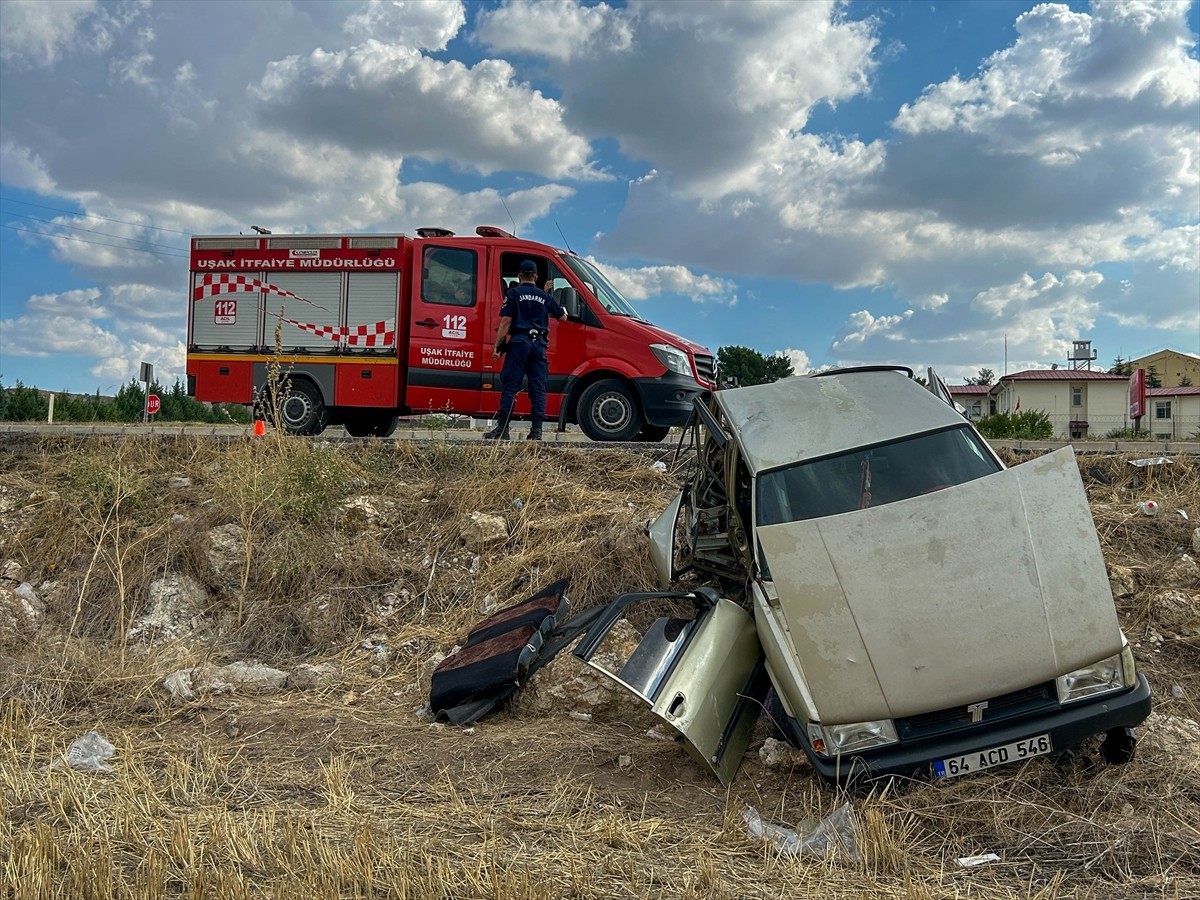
(67, 237)
(71, 212)
(89, 231)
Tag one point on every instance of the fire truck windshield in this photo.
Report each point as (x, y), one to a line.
(610, 298)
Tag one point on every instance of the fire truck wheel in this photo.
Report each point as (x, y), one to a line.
(302, 410)
(370, 424)
(652, 434)
(385, 427)
(608, 412)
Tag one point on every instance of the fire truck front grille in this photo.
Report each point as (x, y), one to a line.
(704, 368)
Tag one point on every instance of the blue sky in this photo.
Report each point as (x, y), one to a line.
(956, 184)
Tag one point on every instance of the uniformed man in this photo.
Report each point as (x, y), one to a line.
(525, 322)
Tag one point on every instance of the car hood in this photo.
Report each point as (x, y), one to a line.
(947, 598)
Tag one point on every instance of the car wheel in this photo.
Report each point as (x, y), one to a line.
(608, 412)
(302, 410)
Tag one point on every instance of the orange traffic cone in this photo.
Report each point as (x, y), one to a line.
(260, 428)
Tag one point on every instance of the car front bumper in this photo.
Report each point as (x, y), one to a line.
(1067, 727)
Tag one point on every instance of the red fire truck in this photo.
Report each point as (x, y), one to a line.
(376, 326)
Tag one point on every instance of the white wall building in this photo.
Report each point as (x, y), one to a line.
(1172, 413)
(1080, 403)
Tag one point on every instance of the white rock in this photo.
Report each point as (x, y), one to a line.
(227, 554)
(177, 482)
(367, 512)
(177, 603)
(776, 754)
(13, 571)
(484, 530)
(241, 676)
(307, 676)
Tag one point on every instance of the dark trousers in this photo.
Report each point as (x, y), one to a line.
(525, 359)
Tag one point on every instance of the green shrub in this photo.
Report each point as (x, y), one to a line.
(1032, 425)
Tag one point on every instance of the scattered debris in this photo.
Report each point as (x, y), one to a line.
(624, 761)
(176, 482)
(1151, 461)
(659, 466)
(89, 753)
(969, 861)
(1148, 508)
(819, 838)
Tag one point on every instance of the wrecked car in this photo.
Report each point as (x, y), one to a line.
(897, 599)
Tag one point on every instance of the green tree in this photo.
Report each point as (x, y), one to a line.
(1153, 379)
(1121, 366)
(747, 367)
(1184, 381)
(985, 377)
(129, 402)
(24, 404)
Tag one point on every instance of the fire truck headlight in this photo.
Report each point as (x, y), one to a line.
(673, 358)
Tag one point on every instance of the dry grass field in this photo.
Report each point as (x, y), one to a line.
(353, 556)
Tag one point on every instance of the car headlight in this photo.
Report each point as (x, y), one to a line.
(673, 358)
(856, 736)
(1115, 673)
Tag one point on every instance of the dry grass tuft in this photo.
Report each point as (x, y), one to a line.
(343, 791)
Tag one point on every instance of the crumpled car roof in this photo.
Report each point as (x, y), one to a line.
(804, 417)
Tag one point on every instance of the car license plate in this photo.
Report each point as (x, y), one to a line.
(979, 760)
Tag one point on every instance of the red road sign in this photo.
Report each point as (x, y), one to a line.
(152, 404)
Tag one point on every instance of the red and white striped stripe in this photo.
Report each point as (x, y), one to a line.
(214, 283)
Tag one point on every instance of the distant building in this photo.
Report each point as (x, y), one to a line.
(1173, 413)
(973, 398)
(1080, 403)
(1171, 366)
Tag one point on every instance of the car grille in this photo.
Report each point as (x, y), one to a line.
(705, 370)
(1018, 703)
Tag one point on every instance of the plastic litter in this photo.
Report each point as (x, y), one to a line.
(1151, 461)
(819, 838)
(90, 753)
(968, 861)
(1148, 508)
(659, 466)
(518, 503)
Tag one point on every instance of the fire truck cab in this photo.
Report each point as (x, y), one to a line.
(366, 328)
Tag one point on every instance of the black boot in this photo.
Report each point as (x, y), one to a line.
(499, 433)
(535, 432)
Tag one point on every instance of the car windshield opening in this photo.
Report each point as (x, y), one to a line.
(872, 477)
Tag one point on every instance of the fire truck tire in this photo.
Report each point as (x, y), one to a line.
(302, 410)
(652, 434)
(608, 412)
(368, 424)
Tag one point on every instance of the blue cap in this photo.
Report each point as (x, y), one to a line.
(528, 265)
